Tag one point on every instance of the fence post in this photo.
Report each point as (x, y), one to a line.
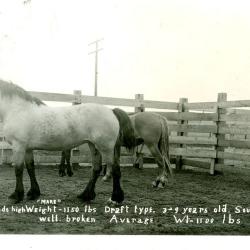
(139, 105)
(222, 97)
(138, 160)
(6, 156)
(76, 151)
(181, 109)
(77, 97)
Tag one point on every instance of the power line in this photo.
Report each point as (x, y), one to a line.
(96, 51)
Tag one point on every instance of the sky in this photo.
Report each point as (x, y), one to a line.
(160, 48)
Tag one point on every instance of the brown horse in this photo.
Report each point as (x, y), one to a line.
(151, 129)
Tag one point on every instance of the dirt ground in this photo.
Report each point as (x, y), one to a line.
(196, 203)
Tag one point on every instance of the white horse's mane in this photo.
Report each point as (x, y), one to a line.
(9, 89)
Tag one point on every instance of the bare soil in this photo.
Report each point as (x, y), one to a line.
(201, 193)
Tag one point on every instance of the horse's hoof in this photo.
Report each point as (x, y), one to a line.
(17, 196)
(33, 195)
(155, 184)
(118, 196)
(136, 165)
(70, 174)
(86, 196)
(113, 203)
(61, 174)
(161, 185)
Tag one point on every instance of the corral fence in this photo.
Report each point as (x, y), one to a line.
(209, 135)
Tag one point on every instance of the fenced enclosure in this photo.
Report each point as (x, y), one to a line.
(210, 135)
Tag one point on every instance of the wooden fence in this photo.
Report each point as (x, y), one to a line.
(208, 135)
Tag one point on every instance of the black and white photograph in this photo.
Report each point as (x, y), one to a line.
(124, 118)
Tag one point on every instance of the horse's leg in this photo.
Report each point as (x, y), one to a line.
(117, 194)
(67, 157)
(138, 152)
(18, 160)
(104, 169)
(161, 179)
(34, 191)
(107, 172)
(62, 165)
(89, 192)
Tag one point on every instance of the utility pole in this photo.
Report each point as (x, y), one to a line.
(97, 49)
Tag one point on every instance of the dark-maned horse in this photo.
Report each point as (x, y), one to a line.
(150, 129)
(29, 126)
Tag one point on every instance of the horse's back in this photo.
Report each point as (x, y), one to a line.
(71, 126)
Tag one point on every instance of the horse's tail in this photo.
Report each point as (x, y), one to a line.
(164, 143)
(127, 136)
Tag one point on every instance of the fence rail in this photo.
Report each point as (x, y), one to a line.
(204, 130)
(193, 128)
(56, 97)
(190, 116)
